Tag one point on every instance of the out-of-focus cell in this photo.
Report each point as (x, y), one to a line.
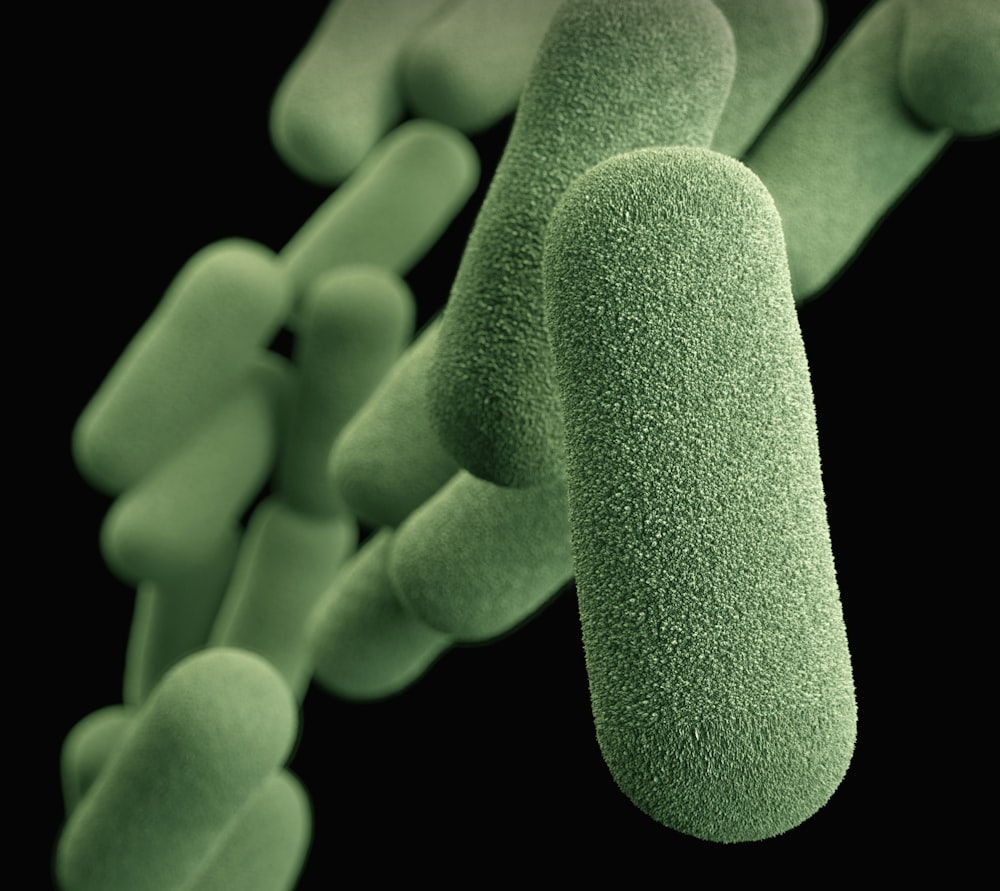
(467, 66)
(227, 302)
(342, 92)
(388, 460)
(355, 322)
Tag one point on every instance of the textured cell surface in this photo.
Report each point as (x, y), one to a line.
(609, 77)
(467, 66)
(477, 558)
(215, 728)
(949, 68)
(775, 41)
(173, 615)
(224, 305)
(388, 460)
(87, 748)
(721, 681)
(183, 510)
(392, 209)
(266, 844)
(364, 643)
(287, 560)
(355, 322)
(342, 92)
(844, 151)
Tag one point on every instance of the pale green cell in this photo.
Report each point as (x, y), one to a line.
(720, 677)
(173, 615)
(87, 748)
(179, 514)
(388, 459)
(393, 208)
(355, 322)
(363, 642)
(467, 66)
(266, 844)
(846, 149)
(775, 42)
(215, 728)
(477, 559)
(287, 560)
(949, 67)
(227, 302)
(609, 77)
(342, 92)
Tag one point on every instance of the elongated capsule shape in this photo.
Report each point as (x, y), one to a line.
(184, 509)
(355, 322)
(287, 561)
(388, 459)
(215, 728)
(173, 615)
(342, 92)
(775, 42)
(477, 559)
(609, 77)
(844, 151)
(266, 844)
(87, 748)
(227, 302)
(720, 676)
(393, 208)
(949, 66)
(467, 66)
(364, 643)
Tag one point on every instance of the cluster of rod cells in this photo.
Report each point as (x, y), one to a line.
(616, 392)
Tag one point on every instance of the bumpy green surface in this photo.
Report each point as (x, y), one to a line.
(775, 41)
(949, 68)
(477, 559)
(388, 460)
(364, 643)
(844, 151)
(609, 77)
(216, 727)
(225, 304)
(355, 322)
(720, 675)
(342, 92)
(87, 748)
(467, 66)
(267, 842)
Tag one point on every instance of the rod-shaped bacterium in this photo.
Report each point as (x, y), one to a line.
(227, 302)
(355, 322)
(217, 725)
(467, 66)
(477, 559)
(342, 92)
(844, 151)
(775, 41)
(393, 208)
(720, 676)
(949, 66)
(609, 77)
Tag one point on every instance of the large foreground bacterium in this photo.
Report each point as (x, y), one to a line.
(719, 671)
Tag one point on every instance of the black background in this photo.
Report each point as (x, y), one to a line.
(147, 139)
